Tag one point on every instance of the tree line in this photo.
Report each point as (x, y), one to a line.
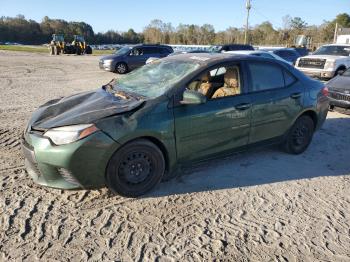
(19, 29)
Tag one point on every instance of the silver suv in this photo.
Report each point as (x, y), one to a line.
(327, 62)
(131, 57)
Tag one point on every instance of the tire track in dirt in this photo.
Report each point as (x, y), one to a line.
(27, 223)
(10, 139)
(11, 218)
(42, 225)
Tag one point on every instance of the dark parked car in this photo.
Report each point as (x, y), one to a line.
(339, 90)
(132, 57)
(288, 54)
(301, 50)
(138, 129)
(232, 47)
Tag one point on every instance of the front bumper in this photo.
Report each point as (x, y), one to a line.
(106, 67)
(80, 164)
(318, 73)
(339, 103)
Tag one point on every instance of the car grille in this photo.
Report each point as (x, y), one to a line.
(339, 96)
(311, 63)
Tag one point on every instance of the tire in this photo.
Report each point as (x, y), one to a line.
(135, 168)
(52, 50)
(299, 136)
(121, 68)
(78, 51)
(88, 50)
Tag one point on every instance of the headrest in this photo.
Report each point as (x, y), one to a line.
(231, 78)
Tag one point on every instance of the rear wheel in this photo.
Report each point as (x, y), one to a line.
(121, 68)
(78, 50)
(135, 168)
(299, 136)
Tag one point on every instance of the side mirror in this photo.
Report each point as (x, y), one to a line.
(193, 98)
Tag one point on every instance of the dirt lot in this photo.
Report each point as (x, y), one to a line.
(262, 205)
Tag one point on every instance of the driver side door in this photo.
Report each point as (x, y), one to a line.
(216, 126)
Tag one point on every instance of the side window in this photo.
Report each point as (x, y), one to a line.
(265, 76)
(150, 50)
(136, 52)
(289, 79)
(219, 82)
(164, 50)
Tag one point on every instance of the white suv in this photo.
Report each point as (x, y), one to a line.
(326, 62)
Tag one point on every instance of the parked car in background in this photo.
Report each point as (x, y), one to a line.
(326, 62)
(131, 57)
(261, 54)
(303, 51)
(339, 90)
(139, 128)
(288, 54)
(231, 47)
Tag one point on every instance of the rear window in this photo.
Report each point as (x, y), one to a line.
(151, 50)
(164, 50)
(289, 79)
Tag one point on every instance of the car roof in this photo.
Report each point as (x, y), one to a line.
(202, 58)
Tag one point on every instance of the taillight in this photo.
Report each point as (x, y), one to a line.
(325, 91)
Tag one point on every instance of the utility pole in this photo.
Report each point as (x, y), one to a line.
(335, 33)
(248, 6)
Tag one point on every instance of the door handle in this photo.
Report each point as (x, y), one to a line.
(243, 106)
(295, 95)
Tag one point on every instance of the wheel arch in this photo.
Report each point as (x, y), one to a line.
(311, 113)
(156, 142)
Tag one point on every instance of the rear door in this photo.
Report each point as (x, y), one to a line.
(277, 99)
(213, 127)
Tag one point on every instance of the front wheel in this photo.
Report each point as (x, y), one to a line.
(121, 68)
(135, 168)
(299, 136)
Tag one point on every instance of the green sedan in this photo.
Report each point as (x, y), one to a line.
(137, 130)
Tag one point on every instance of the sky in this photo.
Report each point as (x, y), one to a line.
(119, 15)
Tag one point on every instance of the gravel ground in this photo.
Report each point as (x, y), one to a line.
(262, 205)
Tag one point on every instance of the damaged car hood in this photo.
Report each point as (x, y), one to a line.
(82, 108)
